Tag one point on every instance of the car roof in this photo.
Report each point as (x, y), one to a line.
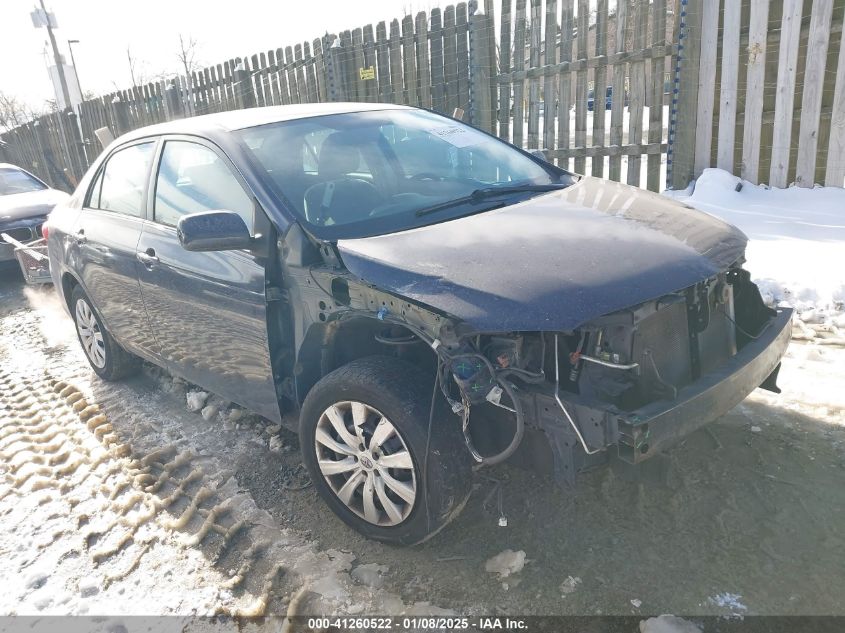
(240, 119)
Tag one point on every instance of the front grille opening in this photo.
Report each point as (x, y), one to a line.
(22, 234)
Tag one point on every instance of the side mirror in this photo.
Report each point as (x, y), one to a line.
(213, 231)
(538, 153)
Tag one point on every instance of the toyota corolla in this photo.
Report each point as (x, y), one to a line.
(416, 298)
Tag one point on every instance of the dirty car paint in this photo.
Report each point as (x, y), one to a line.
(552, 262)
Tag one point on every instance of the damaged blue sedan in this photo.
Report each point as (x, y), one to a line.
(416, 298)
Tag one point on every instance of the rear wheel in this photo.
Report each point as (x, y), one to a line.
(107, 358)
(364, 430)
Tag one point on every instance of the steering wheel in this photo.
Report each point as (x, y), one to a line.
(319, 201)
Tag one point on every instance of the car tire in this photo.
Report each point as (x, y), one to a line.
(396, 503)
(108, 360)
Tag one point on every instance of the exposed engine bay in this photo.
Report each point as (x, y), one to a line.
(620, 362)
(565, 401)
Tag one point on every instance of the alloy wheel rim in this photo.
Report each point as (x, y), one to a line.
(366, 463)
(90, 334)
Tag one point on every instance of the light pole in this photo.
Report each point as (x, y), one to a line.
(75, 69)
(58, 58)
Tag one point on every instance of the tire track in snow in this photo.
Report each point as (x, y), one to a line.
(73, 448)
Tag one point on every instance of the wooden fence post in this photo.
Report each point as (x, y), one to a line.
(57, 178)
(174, 101)
(121, 113)
(76, 146)
(334, 78)
(683, 143)
(480, 70)
(243, 86)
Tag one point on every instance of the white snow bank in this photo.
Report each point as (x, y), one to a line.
(506, 563)
(796, 249)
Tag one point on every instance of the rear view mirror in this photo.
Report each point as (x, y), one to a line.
(213, 231)
(538, 153)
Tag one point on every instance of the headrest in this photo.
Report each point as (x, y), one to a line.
(339, 155)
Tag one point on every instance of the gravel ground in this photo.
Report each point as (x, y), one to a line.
(115, 499)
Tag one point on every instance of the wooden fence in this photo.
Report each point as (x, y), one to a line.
(763, 95)
(571, 49)
(754, 86)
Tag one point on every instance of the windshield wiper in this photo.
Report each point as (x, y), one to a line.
(489, 192)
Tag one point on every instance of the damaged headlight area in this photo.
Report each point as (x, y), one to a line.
(696, 352)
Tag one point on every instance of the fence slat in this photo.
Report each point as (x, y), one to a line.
(383, 62)
(811, 101)
(658, 71)
(369, 47)
(636, 106)
(435, 38)
(396, 64)
(300, 75)
(706, 86)
(310, 71)
(599, 86)
(534, 82)
(581, 84)
(320, 70)
(755, 86)
(564, 88)
(790, 34)
(410, 62)
(462, 33)
(358, 58)
(504, 66)
(835, 169)
(518, 65)
(728, 85)
(618, 104)
(290, 72)
(279, 76)
(550, 82)
(423, 64)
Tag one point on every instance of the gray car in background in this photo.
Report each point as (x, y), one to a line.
(25, 202)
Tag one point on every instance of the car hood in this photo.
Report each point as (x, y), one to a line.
(553, 261)
(19, 206)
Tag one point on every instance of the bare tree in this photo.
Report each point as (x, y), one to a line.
(132, 66)
(187, 57)
(14, 112)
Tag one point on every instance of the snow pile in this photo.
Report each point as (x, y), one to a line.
(506, 563)
(796, 248)
(196, 400)
(728, 600)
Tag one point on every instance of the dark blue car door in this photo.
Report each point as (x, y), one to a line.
(207, 309)
(104, 242)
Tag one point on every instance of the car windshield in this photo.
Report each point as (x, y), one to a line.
(18, 181)
(368, 173)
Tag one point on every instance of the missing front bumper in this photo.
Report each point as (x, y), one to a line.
(656, 426)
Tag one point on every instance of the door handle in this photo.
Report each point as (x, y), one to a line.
(80, 237)
(147, 258)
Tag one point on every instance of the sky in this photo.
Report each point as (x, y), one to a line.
(151, 29)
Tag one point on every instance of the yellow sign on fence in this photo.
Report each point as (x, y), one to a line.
(367, 73)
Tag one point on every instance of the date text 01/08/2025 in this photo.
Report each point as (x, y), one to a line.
(435, 623)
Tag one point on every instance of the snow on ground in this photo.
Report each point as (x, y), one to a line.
(796, 249)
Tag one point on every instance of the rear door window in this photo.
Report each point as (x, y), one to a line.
(121, 183)
(193, 178)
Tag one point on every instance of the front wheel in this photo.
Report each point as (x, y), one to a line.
(107, 358)
(364, 434)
